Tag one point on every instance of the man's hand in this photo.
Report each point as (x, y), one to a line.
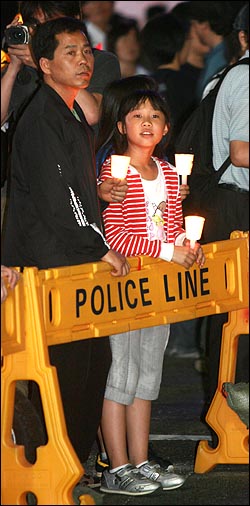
(9, 275)
(184, 191)
(119, 263)
(113, 189)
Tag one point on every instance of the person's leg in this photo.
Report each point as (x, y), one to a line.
(120, 391)
(113, 426)
(82, 369)
(100, 441)
(138, 417)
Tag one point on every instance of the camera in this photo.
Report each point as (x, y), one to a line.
(17, 35)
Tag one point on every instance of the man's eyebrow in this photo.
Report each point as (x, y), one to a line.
(86, 44)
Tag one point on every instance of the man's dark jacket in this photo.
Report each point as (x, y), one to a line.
(53, 217)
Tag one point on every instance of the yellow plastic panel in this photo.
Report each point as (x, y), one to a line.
(87, 301)
(57, 468)
(233, 436)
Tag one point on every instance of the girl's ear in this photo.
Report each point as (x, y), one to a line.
(165, 131)
(121, 127)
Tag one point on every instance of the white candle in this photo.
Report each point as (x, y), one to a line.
(184, 179)
(184, 164)
(119, 166)
(194, 226)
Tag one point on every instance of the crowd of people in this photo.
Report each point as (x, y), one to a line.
(90, 84)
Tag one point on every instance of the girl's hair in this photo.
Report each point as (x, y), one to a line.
(132, 102)
(112, 96)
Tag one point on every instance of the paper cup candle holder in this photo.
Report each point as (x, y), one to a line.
(194, 226)
(119, 166)
(184, 164)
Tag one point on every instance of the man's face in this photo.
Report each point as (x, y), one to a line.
(72, 65)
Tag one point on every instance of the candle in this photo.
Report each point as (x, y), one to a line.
(184, 164)
(194, 226)
(119, 166)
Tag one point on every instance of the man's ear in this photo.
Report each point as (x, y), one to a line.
(45, 65)
(121, 127)
(243, 41)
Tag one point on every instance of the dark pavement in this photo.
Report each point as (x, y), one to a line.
(176, 429)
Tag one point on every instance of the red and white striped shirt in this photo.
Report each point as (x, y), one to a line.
(125, 222)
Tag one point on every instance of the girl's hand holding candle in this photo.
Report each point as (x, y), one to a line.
(194, 226)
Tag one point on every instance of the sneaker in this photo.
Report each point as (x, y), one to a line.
(166, 478)
(100, 465)
(127, 481)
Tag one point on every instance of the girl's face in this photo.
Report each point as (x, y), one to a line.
(144, 126)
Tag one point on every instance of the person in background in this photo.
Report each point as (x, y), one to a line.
(230, 208)
(213, 23)
(123, 40)
(53, 217)
(11, 276)
(99, 18)
(234, 52)
(197, 51)
(164, 50)
(155, 10)
(187, 338)
(147, 222)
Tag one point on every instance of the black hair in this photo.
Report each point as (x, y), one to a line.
(219, 14)
(50, 9)
(44, 41)
(113, 93)
(155, 10)
(130, 103)
(161, 38)
(119, 29)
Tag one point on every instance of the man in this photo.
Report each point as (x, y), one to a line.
(230, 135)
(22, 68)
(20, 79)
(212, 22)
(53, 216)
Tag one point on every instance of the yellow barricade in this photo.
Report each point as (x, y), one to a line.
(87, 301)
(70, 303)
(233, 436)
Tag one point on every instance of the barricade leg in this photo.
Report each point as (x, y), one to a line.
(232, 434)
(57, 469)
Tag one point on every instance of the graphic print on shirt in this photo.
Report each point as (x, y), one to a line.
(155, 203)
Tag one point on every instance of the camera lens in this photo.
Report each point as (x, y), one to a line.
(17, 35)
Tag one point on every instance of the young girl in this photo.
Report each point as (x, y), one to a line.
(147, 222)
